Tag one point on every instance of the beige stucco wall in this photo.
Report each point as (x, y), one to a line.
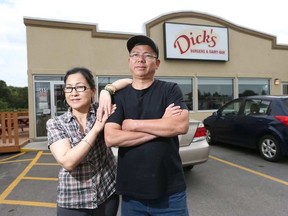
(55, 46)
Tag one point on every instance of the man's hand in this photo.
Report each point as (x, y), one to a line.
(172, 110)
(105, 105)
(128, 125)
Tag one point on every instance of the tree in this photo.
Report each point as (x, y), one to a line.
(13, 98)
(20, 97)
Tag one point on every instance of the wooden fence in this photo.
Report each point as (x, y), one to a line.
(13, 131)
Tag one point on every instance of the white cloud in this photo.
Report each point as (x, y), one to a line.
(266, 16)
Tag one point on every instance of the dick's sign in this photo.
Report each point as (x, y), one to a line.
(195, 42)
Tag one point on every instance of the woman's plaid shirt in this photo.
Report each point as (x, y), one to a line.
(93, 180)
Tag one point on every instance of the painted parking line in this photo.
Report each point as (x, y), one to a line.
(22, 176)
(10, 158)
(34, 162)
(14, 161)
(250, 170)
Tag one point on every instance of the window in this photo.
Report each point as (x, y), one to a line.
(249, 87)
(214, 92)
(231, 109)
(102, 81)
(185, 84)
(263, 106)
(252, 107)
(284, 88)
(256, 107)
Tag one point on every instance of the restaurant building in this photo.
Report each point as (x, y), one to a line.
(212, 60)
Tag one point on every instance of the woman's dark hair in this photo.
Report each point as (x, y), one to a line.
(85, 72)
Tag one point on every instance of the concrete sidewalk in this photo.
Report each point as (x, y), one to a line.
(41, 145)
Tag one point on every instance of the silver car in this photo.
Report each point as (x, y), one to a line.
(194, 148)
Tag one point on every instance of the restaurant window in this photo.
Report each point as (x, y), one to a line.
(284, 88)
(185, 84)
(248, 87)
(214, 92)
(104, 80)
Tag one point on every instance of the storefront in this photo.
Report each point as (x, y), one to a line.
(211, 59)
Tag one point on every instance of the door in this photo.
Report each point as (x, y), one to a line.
(49, 102)
(225, 128)
(58, 101)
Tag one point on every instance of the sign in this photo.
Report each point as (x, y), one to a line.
(186, 41)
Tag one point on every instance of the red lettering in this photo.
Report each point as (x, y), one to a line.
(184, 43)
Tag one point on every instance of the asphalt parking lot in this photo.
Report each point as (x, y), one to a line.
(28, 183)
(233, 182)
(237, 182)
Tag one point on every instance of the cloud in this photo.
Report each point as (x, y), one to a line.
(127, 16)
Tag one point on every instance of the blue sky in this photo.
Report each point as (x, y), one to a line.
(127, 16)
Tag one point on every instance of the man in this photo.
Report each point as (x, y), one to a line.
(149, 117)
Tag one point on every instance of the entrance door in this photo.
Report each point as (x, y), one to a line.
(48, 104)
(58, 101)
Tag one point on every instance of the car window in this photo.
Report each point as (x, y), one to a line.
(252, 107)
(256, 107)
(264, 106)
(231, 109)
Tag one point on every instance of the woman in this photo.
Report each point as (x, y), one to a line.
(87, 177)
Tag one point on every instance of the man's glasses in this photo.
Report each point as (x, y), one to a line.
(77, 89)
(146, 56)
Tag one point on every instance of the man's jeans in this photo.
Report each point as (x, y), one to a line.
(172, 205)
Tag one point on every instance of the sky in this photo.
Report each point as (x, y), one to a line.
(124, 16)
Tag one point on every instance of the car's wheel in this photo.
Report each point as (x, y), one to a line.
(269, 148)
(209, 137)
(188, 168)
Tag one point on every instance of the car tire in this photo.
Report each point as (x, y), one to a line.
(269, 148)
(188, 168)
(209, 137)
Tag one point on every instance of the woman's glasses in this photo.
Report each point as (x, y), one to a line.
(69, 89)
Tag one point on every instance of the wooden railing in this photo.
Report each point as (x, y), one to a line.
(10, 124)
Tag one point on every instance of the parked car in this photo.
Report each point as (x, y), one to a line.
(194, 148)
(259, 122)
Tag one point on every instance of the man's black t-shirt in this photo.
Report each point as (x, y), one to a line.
(153, 169)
